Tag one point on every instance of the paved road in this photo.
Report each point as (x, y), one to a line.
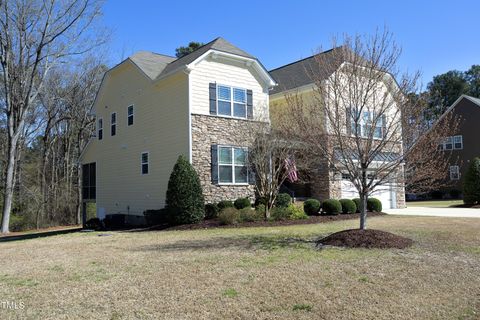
(437, 212)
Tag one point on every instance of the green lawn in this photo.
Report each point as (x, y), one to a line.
(246, 273)
(435, 203)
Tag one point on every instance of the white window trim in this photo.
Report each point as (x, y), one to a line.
(233, 183)
(142, 163)
(461, 142)
(361, 123)
(457, 171)
(232, 102)
(99, 129)
(133, 114)
(113, 124)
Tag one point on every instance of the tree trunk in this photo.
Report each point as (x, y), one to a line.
(9, 185)
(363, 211)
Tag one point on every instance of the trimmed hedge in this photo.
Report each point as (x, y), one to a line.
(283, 200)
(184, 201)
(358, 204)
(471, 183)
(211, 211)
(348, 206)
(225, 204)
(374, 205)
(331, 207)
(250, 215)
(311, 206)
(156, 217)
(242, 203)
(229, 216)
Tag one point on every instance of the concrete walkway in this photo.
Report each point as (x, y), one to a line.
(437, 212)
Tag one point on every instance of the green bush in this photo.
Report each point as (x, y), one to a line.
(21, 222)
(311, 206)
(260, 201)
(250, 215)
(156, 217)
(296, 213)
(348, 206)
(374, 205)
(283, 200)
(261, 209)
(471, 183)
(229, 216)
(94, 224)
(331, 207)
(358, 203)
(241, 203)
(225, 204)
(185, 202)
(211, 211)
(279, 213)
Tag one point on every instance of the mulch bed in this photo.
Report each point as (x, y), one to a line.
(370, 238)
(214, 223)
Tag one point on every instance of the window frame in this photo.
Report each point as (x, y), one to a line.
(445, 143)
(455, 143)
(100, 129)
(113, 124)
(232, 101)
(454, 172)
(130, 116)
(142, 163)
(233, 165)
(362, 124)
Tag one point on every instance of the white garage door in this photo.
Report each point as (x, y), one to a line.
(384, 193)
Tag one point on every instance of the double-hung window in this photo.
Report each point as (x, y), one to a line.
(448, 143)
(100, 129)
(130, 115)
(145, 162)
(232, 165)
(454, 173)
(458, 142)
(365, 122)
(113, 124)
(231, 101)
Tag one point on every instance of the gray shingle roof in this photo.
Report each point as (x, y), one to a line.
(155, 65)
(300, 73)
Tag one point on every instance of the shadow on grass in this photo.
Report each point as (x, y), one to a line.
(262, 242)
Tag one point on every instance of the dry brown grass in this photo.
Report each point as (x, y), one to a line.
(250, 273)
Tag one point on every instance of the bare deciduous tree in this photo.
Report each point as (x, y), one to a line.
(358, 114)
(34, 37)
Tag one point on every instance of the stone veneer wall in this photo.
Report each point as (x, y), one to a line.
(209, 130)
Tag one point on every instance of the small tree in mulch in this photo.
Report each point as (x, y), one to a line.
(471, 183)
(185, 202)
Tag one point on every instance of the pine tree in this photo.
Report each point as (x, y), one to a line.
(185, 202)
(471, 183)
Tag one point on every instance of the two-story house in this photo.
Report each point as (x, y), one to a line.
(296, 79)
(151, 108)
(462, 145)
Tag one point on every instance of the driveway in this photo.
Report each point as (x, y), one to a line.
(436, 212)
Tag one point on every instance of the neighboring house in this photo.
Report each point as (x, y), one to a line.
(296, 78)
(151, 108)
(464, 142)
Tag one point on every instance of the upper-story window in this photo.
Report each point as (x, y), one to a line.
(113, 124)
(454, 173)
(365, 123)
(130, 115)
(145, 162)
(451, 143)
(100, 129)
(231, 101)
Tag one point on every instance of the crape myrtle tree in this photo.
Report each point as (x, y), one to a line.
(34, 37)
(359, 113)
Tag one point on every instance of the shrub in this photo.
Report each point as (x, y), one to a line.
(358, 203)
(296, 213)
(250, 215)
(311, 206)
(185, 200)
(260, 201)
(261, 209)
(211, 211)
(241, 203)
(332, 206)
(156, 217)
(471, 183)
(94, 224)
(225, 204)
(437, 194)
(374, 205)
(283, 200)
(229, 216)
(348, 206)
(280, 213)
(455, 193)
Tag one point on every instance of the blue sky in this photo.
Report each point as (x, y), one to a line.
(436, 36)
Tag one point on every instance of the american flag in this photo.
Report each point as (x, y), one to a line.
(291, 170)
